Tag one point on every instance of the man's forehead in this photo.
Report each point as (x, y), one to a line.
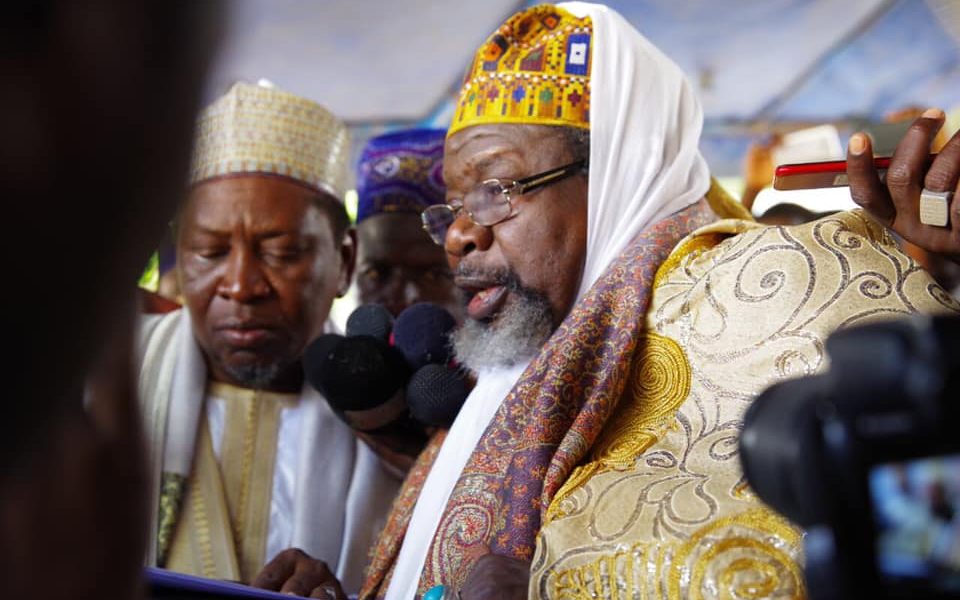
(477, 148)
(507, 133)
(263, 202)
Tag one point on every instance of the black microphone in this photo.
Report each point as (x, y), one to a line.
(370, 319)
(422, 333)
(435, 394)
(362, 378)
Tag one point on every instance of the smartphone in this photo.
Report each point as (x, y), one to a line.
(828, 174)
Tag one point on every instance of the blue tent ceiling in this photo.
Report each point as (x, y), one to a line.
(385, 63)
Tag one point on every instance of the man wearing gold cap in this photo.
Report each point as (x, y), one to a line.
(248, 461)
(622, 313)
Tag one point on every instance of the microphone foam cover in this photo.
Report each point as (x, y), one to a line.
(422, 333)
(355, 373)
(435, 394)
(370, 319)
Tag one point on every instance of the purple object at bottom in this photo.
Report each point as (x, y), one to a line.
(161, 578)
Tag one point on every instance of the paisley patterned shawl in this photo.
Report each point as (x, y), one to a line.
(554, 414)
(545, 427)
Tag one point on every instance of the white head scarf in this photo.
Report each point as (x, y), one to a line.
(644, 165)
(645, 124)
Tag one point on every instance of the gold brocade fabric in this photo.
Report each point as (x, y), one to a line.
(223, 526)
(661, 508)
(172, 489)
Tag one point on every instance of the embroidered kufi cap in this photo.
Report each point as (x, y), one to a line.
(401, 172)
(261, 129)
(534, 69)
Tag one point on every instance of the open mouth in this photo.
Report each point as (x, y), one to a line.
(486, 298)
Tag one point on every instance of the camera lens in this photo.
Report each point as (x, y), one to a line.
(779, 449)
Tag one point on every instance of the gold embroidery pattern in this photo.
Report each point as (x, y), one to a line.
(747, 556)
(172, 488)
(203, 536)
(239, 511)
(248, 456)
(618, 575)
(751, 311)
(692, 247)
(725, 207)
(659, 384)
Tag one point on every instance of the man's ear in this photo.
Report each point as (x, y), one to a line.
(348, 260)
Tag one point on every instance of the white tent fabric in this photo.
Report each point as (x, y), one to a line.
(384, 61)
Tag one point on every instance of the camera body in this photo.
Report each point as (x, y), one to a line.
(866, 458)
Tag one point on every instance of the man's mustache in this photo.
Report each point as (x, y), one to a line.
(503, 276)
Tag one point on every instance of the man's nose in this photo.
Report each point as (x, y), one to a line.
(401, 291)
(464, 236)
(244, 280)
(411, 292)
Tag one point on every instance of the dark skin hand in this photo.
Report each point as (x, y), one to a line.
(895, 202)
(497, 577)
(293, 571)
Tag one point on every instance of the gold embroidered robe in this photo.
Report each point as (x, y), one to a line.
(661, 509)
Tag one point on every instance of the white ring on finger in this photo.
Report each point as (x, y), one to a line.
(935, 207)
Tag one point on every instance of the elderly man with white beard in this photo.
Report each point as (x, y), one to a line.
(622, 314)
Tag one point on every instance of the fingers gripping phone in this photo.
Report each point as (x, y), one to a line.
(827, 174)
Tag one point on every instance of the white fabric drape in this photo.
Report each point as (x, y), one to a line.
(339, 491)
(645, 124)
(475, 414)
(645, 165)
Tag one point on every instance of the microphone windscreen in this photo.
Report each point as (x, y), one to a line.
(435, 394)
(422, 333)
(354, 373)
(315, 354)
(370, 319)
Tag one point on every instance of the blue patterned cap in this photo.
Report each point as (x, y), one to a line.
(401, 172)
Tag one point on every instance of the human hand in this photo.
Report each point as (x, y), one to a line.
(497, 577)
(895, 202)
(293, 571)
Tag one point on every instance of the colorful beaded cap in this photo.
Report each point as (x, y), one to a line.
(259, 129)
(534, 69)
(401, 172)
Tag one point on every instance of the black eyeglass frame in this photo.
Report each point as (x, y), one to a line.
(509, 189)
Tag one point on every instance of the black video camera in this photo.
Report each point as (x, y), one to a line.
(866, 458)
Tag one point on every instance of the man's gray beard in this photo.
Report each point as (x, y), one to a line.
(515, 335)
(254, 376)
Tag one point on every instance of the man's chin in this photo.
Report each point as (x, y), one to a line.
(512, 335)
(251, 369)
(254, 375)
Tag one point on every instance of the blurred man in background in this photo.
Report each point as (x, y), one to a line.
(399, 175)
(98, 106)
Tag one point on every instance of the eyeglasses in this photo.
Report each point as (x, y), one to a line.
(490, 202)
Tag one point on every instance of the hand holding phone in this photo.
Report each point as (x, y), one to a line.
(896, 200)
(826, 174)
